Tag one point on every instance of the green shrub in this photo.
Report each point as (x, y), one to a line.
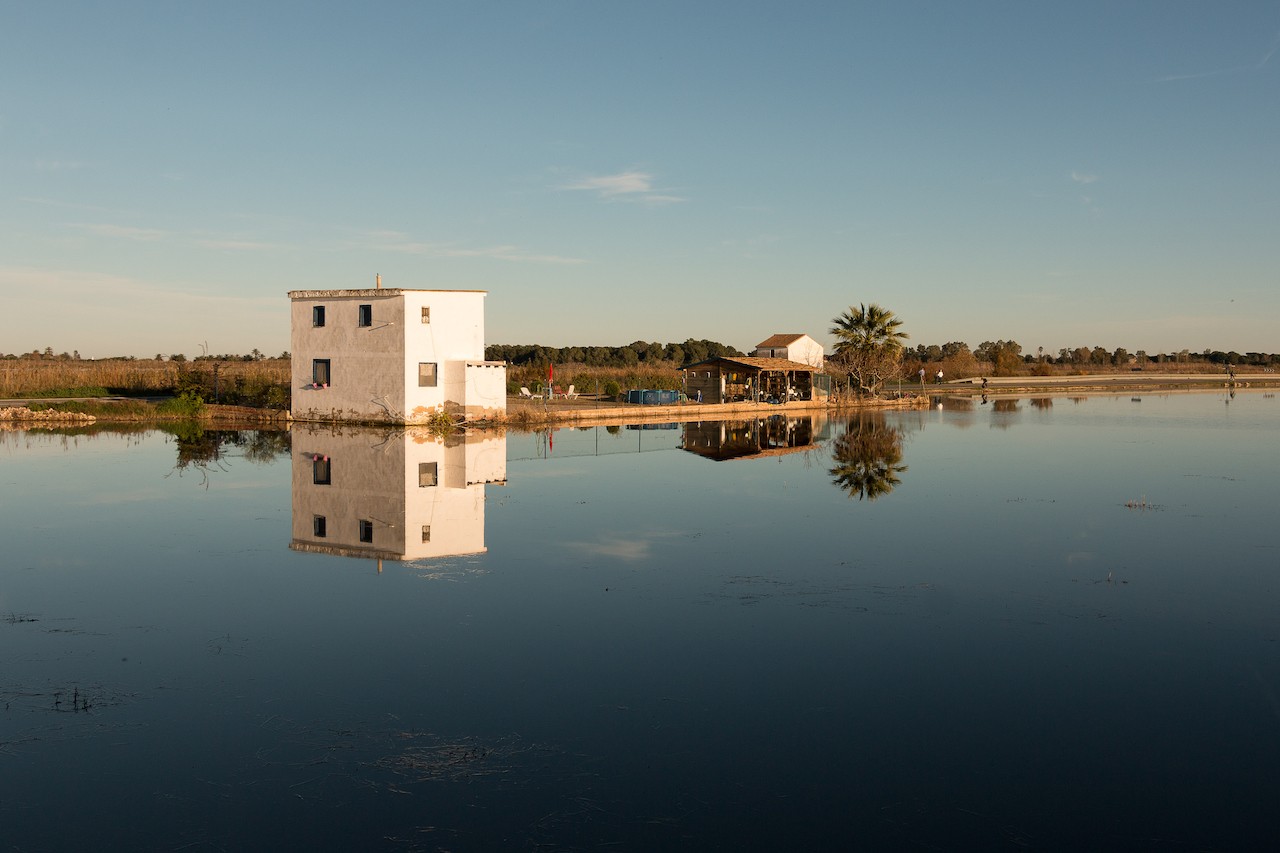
(186, 404)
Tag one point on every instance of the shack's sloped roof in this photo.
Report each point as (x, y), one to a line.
(781, 340)
(753, 363)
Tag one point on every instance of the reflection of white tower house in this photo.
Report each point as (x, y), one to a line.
(394, 496)
(392, 355)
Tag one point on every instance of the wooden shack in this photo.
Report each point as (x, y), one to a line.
(734, 379)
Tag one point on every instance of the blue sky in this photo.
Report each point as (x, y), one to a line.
(1065, 174)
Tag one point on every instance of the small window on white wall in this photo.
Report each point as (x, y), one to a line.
(426, 374)
(366, 315)
(426, 474)
(426, 314)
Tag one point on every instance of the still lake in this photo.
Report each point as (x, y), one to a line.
(1047, 624)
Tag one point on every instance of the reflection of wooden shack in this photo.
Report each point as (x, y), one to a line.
(772, 436)
(763, 380)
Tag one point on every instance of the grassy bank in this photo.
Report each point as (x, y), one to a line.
(177, 409)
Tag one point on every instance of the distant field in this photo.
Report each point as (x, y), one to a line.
(142, 377)
(43, 378)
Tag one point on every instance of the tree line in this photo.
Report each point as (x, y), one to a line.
(1010, 355)
(630, 355)
(871, 349)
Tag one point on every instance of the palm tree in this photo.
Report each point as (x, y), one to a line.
(868, 327)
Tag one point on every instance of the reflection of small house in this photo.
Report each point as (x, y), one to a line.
(772, 436)
(398, 496)
(747, 378)
(394, 355)
(792, 347)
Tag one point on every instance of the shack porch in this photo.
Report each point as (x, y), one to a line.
(755, 380)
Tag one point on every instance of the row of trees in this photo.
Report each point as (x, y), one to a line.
(1009, 354)
(638, 352)
(871, 349)
(47, 354)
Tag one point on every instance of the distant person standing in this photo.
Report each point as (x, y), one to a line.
(937, 380)
(922, 377)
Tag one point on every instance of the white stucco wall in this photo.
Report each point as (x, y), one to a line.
(375, 369)
(806, 351)
(454, 335)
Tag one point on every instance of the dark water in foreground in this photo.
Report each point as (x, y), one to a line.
(1044, 625)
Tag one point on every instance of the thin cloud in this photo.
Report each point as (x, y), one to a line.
(1218, 72)
(1271, 51)
(657, 199)
(203, 240)
(124, 232)
(625, 186)
(615, 547)
(68, 205)
(60, 165)
(237, 245)
(619, 184)
(1084, 177)
(394, 241)
(1199, 75)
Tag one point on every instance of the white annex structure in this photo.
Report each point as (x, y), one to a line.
(406, 495)
(793, 347)
(392, 355)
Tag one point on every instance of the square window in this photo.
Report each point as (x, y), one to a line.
(320, 371)
(426, 533)
(318, 524)
(426, 374)
(426, 474)
(426, 314)
(366, 530)
(321, 474)
(317, 316)
(366, 315)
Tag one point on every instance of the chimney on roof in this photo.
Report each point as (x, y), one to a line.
(377, 281)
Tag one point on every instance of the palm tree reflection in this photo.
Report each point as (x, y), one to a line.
(868, 457)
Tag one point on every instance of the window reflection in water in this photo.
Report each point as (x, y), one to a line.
(395, 495)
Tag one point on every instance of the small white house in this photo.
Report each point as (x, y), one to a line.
(792, 347)
(392, 355)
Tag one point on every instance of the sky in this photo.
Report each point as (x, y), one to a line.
(1059, 174)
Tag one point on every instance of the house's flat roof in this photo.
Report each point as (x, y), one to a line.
(371, 292)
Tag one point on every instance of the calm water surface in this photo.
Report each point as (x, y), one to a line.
(1037, 624)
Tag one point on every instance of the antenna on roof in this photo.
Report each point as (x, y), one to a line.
(377, 281)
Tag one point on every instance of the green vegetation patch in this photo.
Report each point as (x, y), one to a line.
(78, 391)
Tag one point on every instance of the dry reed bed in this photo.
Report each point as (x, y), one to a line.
(20, 377)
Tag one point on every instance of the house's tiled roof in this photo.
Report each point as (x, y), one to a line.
(779, 340)
(759, 363)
